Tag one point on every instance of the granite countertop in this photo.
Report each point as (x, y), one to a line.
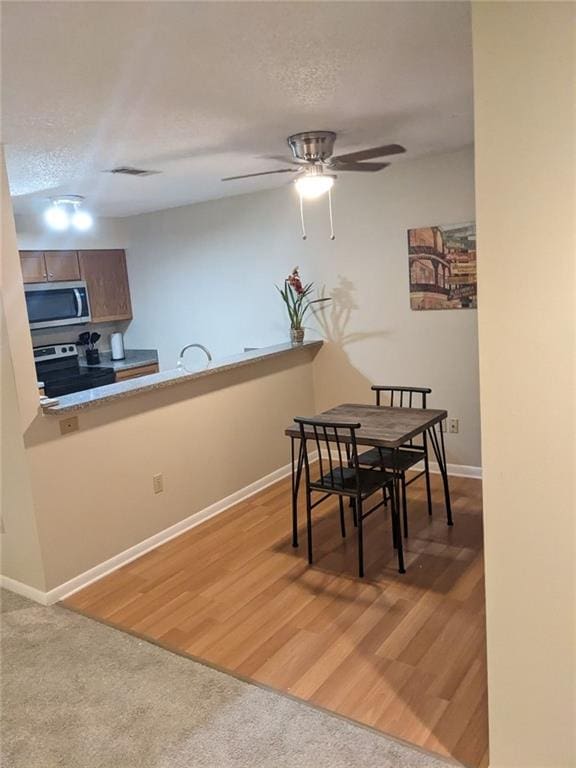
(134, 359)
(111, 393)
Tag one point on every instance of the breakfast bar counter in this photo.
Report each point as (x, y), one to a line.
(90, 398)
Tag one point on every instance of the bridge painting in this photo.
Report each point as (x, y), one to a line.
(443, 267)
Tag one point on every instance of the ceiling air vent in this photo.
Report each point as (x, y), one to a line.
(127, 170)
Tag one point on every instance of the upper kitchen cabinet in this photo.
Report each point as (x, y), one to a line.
(106, 277)
(49, 266)
(33, 266)
(62, 265)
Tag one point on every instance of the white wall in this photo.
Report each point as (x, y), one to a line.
(525, 107)
(20, 552)
(206, 273)
(32, 235)
(20, 547)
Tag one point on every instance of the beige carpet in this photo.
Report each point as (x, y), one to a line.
(78, 694)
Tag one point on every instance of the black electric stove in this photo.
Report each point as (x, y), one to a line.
(59, 368)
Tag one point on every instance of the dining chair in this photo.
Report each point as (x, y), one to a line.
(338, 473)
(410, 454)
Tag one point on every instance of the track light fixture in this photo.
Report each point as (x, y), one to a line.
(65, 212)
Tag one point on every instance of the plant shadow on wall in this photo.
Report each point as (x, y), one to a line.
(337, 379)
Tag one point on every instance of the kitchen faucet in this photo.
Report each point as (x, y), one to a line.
(180, 363)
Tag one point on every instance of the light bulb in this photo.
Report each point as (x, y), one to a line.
(82, 220)
(310, 187)
(57, 218)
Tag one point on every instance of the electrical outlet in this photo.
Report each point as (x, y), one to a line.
(453, 426)
(158, 483)
(68, 425)
(443, 426)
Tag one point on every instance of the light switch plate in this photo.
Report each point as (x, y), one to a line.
(158, 483)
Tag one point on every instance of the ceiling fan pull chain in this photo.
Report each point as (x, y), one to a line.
(332, 235)
(302, 217)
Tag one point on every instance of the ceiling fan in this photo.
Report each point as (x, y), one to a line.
(313, 158)
(314, 164)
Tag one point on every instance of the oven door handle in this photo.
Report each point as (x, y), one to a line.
(78, 296)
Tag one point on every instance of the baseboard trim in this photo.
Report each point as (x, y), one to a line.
(454, 470)
(24, 590)
(125, 557)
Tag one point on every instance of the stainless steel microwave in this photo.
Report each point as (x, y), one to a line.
(53, 304)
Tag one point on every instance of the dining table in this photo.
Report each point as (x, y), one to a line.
(380, 427)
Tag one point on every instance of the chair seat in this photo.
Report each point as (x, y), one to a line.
(343, 480)
(384, 457)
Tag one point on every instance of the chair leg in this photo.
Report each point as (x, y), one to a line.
(396, 528)
(427, 474)
(358, 506)
(309, 526)
(342, 521)
(404, 506)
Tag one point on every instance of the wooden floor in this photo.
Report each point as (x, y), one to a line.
(404, 654)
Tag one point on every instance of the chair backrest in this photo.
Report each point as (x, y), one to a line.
(403, 397)
(337, 452)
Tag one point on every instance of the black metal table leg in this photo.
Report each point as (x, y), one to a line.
(440, 453)
(396, 525)
(427, 471)
(404, 505)
(296, 475)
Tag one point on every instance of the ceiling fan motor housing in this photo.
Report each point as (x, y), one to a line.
(312, 146)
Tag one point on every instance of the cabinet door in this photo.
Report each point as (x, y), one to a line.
(62, 265)
(107, 280)
(33, 266)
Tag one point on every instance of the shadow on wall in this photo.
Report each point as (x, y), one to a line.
(336, 380)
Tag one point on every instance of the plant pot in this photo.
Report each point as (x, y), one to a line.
(92, 357)
(297, 335)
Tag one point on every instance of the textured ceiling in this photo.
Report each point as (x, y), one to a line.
(204, 90)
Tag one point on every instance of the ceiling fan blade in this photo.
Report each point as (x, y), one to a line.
(365, 167)
(262, 173)
(367, 154)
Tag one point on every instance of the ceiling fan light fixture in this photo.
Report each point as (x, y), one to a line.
(313, 186)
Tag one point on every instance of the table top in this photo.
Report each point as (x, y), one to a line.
(381, 426)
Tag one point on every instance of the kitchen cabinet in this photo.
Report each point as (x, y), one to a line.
(49, 266)
(106, 277)
(33, 266)
(104, 272)
(62, 265)
(134, 373)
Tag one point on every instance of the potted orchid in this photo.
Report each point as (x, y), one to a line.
(296, 297)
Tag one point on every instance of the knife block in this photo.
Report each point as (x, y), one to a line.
(92, 357)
